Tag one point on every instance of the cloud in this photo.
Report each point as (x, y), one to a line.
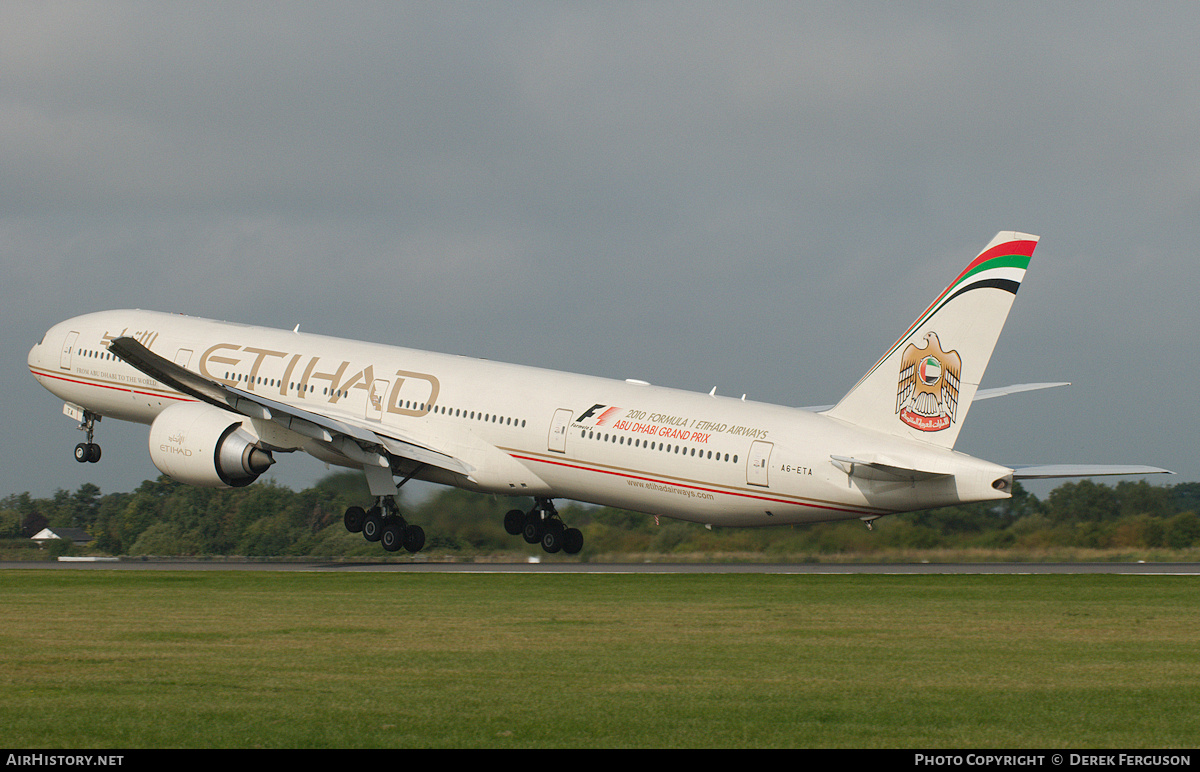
(695, 194)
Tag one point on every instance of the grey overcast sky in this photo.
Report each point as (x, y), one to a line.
(755, 196)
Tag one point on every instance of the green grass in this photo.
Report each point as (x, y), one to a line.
(133, 659)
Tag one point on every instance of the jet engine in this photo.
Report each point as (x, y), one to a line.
(206, 446)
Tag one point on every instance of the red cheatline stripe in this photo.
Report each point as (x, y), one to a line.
(164, 395)
(696, 487)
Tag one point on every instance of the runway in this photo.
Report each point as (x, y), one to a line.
(1133, 569)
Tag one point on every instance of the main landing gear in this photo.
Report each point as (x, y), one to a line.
(88, 452)
(542, 524)
(384, 523)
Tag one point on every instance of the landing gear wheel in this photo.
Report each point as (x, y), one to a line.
(552, 538)
(534, 528)
(514, 522)
(414, 538)
(542, 525)
(392, 536)
(88, 452)
(354, 519)
(372, 528)
(384, 523)
(572, 541)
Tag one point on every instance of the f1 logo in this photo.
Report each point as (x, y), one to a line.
(602, 419)
(591, 411)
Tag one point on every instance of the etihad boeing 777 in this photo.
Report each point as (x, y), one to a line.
(223, 400)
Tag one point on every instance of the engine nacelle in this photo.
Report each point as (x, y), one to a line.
(206, 446)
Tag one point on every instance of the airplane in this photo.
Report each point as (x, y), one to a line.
(222, 400)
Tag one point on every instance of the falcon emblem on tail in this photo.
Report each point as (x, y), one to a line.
(927, 397)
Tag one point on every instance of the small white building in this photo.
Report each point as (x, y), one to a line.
(76, 536)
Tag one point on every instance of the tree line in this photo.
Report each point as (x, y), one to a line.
(164, 517)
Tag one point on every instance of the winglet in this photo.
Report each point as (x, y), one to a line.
(923, 386)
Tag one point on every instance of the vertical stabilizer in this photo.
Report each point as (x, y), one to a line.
(924, 384)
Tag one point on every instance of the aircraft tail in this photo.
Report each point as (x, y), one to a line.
(924, 384)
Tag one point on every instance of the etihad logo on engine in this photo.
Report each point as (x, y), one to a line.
(927, 395)
(175, 446)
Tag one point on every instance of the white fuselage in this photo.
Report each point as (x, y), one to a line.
(526, 431)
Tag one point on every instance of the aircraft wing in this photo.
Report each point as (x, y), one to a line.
(336, 432)
(1051, 471)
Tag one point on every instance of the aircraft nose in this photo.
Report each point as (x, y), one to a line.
(37, 353)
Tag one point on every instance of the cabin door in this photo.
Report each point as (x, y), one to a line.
(758, 462)
(558, 430)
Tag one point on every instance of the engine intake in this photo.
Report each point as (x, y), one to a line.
(206, 446)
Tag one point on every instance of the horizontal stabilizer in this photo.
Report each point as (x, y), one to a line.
(1003, 391)
(874, 470)
(1051, 471)
(999, 391)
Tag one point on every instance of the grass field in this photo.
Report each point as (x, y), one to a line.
(228, 659)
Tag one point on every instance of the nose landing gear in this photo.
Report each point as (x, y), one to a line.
(88, 452)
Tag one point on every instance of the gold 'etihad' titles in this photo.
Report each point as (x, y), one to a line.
(415, 399)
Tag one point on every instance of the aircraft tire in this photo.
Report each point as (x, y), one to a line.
(414, 538)
(572, 541)
(514, 522)
(354, 518)
(393, 537)
(552, 538)
(372, 527)
(81, 452)
(533, 530)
